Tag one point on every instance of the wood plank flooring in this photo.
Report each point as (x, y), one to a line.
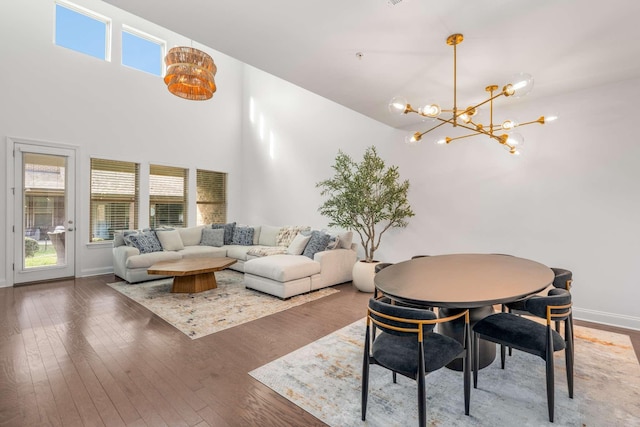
(77, 353)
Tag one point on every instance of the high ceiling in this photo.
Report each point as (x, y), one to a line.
(566, 45)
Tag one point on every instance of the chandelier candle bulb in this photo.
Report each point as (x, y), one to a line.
(522, 84)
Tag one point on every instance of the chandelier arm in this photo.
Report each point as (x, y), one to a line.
(539, 120)
(462, 137)
(436, 126)
(476, 129)
(487, 100)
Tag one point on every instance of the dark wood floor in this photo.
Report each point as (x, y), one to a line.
(76, 353)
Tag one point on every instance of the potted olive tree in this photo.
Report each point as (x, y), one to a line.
(368, 198)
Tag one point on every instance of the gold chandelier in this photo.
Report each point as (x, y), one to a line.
(190, 73)
(464, 117)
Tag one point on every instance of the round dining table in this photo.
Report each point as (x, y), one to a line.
(457, 282)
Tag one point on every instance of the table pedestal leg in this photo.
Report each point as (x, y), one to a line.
(194, 283)
(455, 329)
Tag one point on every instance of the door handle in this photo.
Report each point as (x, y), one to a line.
(69, 229)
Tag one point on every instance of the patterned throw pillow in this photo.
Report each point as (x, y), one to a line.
(288, 233)
(146, 242)
(318, 243)
(212, 237)
(267, 250)
(228, 231)
(242, 236)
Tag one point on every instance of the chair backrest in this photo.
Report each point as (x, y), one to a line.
(555, 306)
(382, 266)
(399, 320)
(563, 278)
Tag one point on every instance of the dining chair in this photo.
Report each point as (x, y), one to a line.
(408, 345)
(532, 337)
(378, 268)
(562, 279)
(419, 256)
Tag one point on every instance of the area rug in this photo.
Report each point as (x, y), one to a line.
(203, 313)
(324, 378)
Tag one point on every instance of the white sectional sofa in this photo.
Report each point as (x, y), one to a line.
(282, 261)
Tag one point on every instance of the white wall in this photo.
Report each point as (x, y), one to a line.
(570, 201)
(54, 94)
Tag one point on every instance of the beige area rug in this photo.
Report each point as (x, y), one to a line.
(324, 379)
(204, 313)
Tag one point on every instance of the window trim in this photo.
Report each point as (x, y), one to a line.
(148, 37)
(91, 14)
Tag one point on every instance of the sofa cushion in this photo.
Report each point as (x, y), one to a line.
(282, 268)
(298, 244)
(147, 260)
(212, 237)
(242, 236)
(228, 231)
(170, 240)
(318, 243)
(288, 233)
(238, 252)
(199, 251)
(268, 235)
(146, 242)
(191, 236)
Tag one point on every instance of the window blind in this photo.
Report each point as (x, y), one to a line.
(211, 198)
(168, 187)
(114, 197)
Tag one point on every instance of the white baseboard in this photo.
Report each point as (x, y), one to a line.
(611, 319)
(4, 284)
(96, 271)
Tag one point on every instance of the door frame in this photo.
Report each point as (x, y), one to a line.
(12, 196)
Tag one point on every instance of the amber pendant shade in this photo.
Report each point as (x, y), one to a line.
(190, 73)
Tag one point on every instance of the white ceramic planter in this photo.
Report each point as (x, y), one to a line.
(363, 273)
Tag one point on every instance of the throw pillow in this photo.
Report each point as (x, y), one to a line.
(191, 236)
(288, 233)
(334, 242)
(256, 234)
(298, 244)
(212, 237)
(242, 236)
(228, 231)
(145, 242)
(170, 240)
(317, 243)
(126, 236)
(345, 239)
(268, 235)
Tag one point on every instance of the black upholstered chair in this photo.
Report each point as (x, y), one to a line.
(527, 335)
(379, 267)
(562, 280)
(407, 344)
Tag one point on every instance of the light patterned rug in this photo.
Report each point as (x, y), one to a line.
(203, 313)
(324, 378)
